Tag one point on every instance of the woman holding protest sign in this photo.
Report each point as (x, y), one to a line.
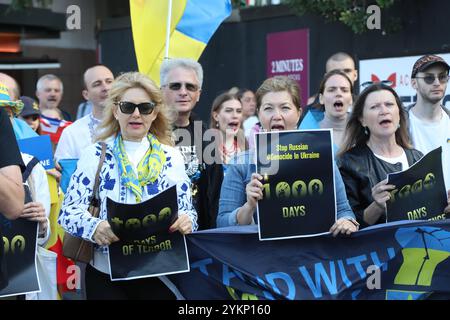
(377, 143)
(278, 108)
(140, 163)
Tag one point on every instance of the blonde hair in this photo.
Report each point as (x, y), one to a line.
(161, 127)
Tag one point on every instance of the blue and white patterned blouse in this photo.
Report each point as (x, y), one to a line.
(75, 218)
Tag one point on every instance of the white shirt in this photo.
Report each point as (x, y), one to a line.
(136, 151)
(429, 136)
(76, 138)
(402, 159)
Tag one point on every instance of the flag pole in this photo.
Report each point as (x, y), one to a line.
(169, 19)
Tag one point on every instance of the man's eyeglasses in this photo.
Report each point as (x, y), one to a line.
(430, 78)
(369, 83)
(175, 86)
(129, 107)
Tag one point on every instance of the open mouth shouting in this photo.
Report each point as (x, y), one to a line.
(234, 125)
(277, 127)
(385, 123)
(339, 106)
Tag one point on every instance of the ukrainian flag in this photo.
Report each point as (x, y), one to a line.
(193, 23)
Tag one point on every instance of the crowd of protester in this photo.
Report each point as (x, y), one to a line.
(154, 140)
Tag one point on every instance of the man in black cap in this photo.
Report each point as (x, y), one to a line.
(429, 121)
(30, 112)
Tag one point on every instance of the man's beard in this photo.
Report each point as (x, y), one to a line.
(433, 100)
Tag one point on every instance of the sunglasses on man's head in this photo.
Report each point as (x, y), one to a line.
(430, 78)
(129, 107)
(175, 86)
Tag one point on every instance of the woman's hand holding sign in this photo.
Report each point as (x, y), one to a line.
(34, 211)
(344, 226)
(380, 194)
(254, 192)
(104, 235)
(182, 224)
(447, 208)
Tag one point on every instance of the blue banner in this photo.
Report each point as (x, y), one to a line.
(39, 147)
(394, 261)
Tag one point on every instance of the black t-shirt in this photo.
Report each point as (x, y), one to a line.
(206, 177)
(9, 155)
(9, 151)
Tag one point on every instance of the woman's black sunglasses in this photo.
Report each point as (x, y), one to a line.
(129, 107)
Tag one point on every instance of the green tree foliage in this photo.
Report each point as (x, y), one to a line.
(238, 3)
(352, 13)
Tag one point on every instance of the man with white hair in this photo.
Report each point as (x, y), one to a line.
(49, 91)
(181, 83)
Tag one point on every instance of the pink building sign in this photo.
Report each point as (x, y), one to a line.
(288, 55)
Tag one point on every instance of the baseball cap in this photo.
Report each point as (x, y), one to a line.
(427, 61)
(30, 107)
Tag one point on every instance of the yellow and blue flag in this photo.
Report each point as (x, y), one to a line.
(193, 22)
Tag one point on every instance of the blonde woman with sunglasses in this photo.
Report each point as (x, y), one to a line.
(140, 163)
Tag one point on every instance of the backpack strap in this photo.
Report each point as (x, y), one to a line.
(26, 174)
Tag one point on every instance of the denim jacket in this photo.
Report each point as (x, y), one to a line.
(239, 173)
